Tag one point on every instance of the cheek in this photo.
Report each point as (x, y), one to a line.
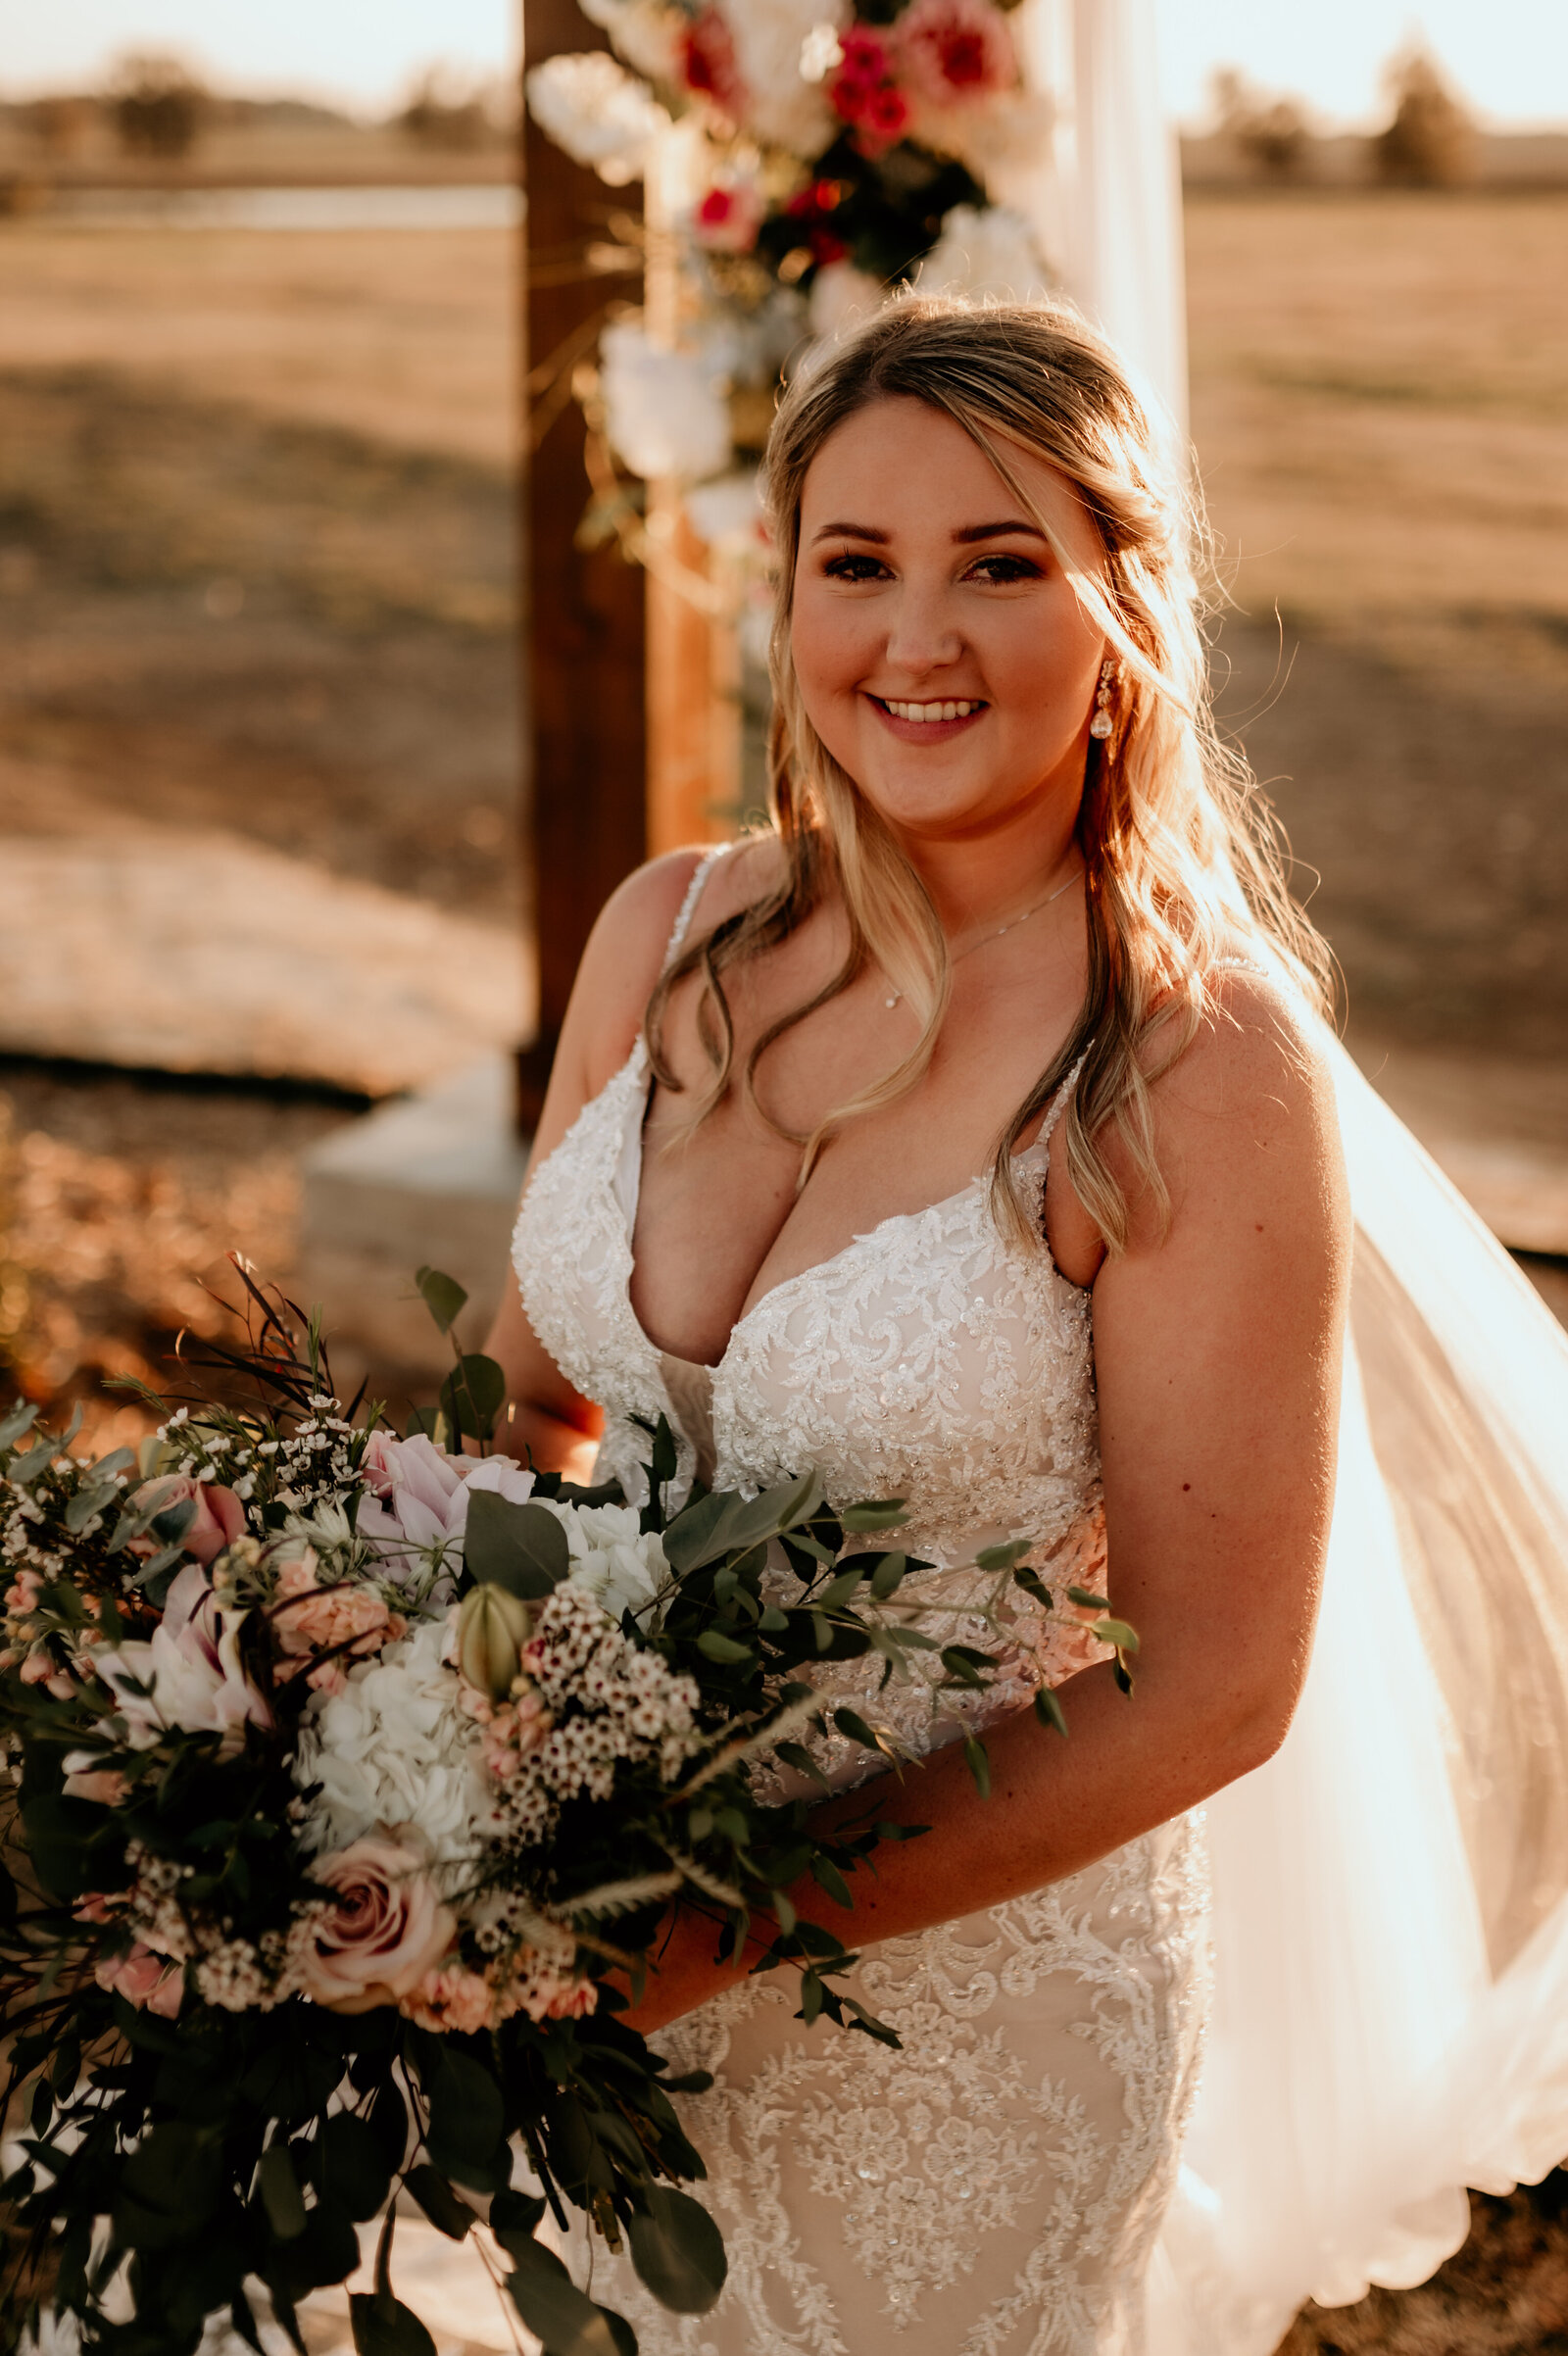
(825, 640)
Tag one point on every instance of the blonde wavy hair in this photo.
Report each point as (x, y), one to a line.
(1183, 866)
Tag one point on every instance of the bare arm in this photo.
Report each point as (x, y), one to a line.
(1217, 1348)
(619, 967)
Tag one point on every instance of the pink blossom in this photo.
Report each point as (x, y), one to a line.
(95, 1907)
(23, 1592)
(571, 2003)
(955, 53)
(143, 1979)
(309, 1618)
(219, 1517)
(106, 1785)
(190, 1670)
(420, 1493)
(450, 1997)
(386, 1928)
(38, 1667)
(728, 219)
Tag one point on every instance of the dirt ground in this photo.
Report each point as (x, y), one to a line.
(256, 572)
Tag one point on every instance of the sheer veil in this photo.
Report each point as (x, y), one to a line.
(1390, 1890)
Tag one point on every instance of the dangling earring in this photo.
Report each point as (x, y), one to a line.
(1103, 725)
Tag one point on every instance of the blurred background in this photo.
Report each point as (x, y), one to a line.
(261, 845)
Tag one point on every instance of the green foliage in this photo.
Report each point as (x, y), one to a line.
(522, 1547)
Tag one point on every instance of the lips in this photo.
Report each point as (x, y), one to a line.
(927, 722)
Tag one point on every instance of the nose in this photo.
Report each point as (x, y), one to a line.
(923, 635)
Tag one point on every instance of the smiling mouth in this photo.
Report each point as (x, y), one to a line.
(956, 708)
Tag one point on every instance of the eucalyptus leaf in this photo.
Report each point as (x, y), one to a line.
(874, 1513)
(716, 1526)
(1088, 1600)
(281, 2196)
(474, 1395)
(723, 1649)
(383, 2327)
(978, 1764)
(442, 1295)
(1003, 1558)
(449, 2214)
(1117, 1633)
(678, 2250)
(888, 1576)
(21, 1419)
(1049, 1710)
(552, 2306)
(522, 1547)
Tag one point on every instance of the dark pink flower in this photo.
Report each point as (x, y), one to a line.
(218, 1520)
(955, 53)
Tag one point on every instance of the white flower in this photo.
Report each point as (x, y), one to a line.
(645, 34)
(989, 251)
(189, 1672)
(395, 1747)
(769, 36)
(727, 508)
(612, 1561)
(666, 410)
(841, 297)
(598, 112)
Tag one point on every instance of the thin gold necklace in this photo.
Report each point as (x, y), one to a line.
(956, 956)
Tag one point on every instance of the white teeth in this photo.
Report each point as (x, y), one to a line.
(930, 712)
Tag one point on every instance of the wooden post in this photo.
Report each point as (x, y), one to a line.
(582, 611)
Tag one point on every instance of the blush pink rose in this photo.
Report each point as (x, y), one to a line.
(106, 1785)
(955, 53)
(144, 1980)
(385, 1928)
(420, 1493)
(189, 1675)
(219, 1516)
(309, 1618)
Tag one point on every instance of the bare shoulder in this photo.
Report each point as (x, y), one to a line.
(1244, 1118)
(626, 949)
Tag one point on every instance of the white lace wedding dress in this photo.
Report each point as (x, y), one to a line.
(1388, 1913)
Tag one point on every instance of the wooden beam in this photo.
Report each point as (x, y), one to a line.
(582, 611)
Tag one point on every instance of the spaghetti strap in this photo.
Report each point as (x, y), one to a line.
(688, 906)
(1057, 1107)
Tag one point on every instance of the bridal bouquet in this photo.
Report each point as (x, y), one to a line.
(354, 1775)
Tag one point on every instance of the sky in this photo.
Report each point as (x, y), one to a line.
(1508, 57)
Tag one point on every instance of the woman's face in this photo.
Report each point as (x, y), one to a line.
(941, 655)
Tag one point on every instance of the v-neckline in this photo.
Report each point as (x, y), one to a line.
(640, 1098)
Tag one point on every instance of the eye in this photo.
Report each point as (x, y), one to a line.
(854, 566)
(1002, 570)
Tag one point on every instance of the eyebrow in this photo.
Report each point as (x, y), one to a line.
(1012, 527)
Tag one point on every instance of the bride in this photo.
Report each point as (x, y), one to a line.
(974, 1134)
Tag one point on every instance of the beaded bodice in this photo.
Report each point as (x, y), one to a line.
(931, 1359)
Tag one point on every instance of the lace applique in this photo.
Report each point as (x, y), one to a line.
(991, 2189)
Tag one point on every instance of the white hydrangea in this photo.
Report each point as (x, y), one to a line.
(612, 1561)
(645, 34)
(667, 411)
(602, 115)
(785, 109)
(394, 1747)
(985, 252)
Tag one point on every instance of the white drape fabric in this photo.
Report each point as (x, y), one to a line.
(1104, 193)
(1391, 1891)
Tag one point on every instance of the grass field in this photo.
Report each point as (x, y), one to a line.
(256, 574)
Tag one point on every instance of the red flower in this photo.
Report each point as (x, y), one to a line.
(708, 64)
(811, 207)
(728, 219)
(951, 53)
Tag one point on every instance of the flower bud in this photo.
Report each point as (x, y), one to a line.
(493, 1626)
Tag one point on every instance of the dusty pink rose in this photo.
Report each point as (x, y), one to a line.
(219, 1516)
(309, 1618)
(420, 1494)
(955, 53)
(38, 1667)
(95, 1907)
(23, 1592)
(386, 1929)
(450, 1997)
(144, 1978)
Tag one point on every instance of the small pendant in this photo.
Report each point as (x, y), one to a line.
(894, 1000)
